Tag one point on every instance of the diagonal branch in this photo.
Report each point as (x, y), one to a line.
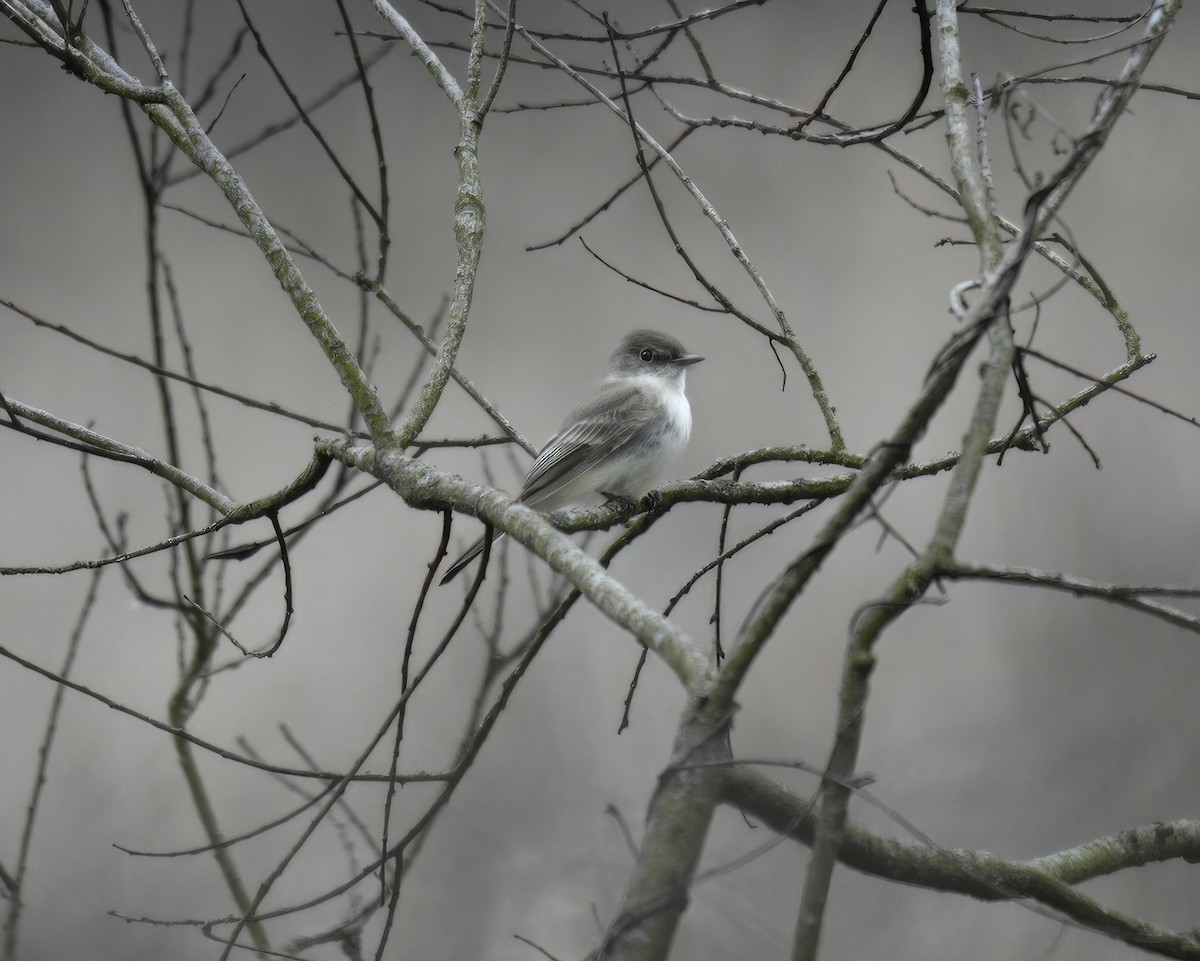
(998, 273)
(445, 79)
(1044, 881)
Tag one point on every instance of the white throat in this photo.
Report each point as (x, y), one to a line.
(669, 391)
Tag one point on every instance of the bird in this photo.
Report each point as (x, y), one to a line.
(620, 442)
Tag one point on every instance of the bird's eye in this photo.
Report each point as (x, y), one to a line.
(647, 354)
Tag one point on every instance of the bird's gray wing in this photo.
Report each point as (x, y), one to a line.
(596, 428)
(601, 427)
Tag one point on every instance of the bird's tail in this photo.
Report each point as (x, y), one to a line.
(469, 555)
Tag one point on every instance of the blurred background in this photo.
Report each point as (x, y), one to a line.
(1003, 719)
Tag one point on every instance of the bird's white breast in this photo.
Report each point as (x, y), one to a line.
(679, 415)
(642, 473)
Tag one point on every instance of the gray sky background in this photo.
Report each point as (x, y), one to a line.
(1004, 719)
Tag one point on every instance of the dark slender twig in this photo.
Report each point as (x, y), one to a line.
(1035, 15)
(200, 742)
(273, 130)
(160, 371)
(819, 110)
(405, 662)
(644, 167)
(633, 684)
(1120, 390)
(927, 211)
(505, 52)
(219, 71)
(737, 548)
(237, 838)
(650, 287)
(287, 600)
(718, 586)
(303, 114)
(364, 81)
(298, 245)
(612, 197)
(15, 883)
(602, 38)
(536, 947)
(207, 439)
(1064, 41)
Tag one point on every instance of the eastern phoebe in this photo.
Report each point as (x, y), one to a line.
(620, 443)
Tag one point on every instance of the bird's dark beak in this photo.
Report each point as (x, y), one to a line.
(687, 360)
